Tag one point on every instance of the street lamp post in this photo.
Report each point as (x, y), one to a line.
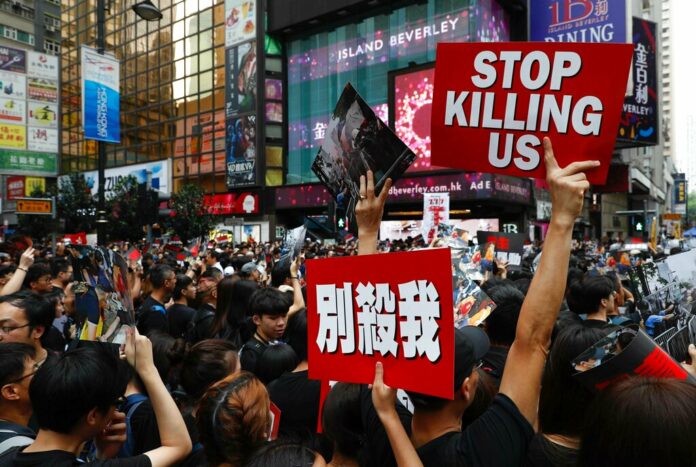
(149, 12)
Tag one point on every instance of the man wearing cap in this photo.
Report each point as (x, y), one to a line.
(500, 436)
(251, 271)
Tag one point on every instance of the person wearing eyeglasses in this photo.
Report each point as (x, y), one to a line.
(17, 367)
(24, 318)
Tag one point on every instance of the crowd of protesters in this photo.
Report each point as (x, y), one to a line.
(219, 338)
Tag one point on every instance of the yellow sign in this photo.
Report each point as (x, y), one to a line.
(671, 217)
(35, 206)
(13, 136)
(32, 184)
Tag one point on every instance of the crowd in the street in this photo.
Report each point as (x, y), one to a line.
(221, 334)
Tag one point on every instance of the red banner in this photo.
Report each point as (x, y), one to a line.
(364, 309)
(79, 238)
(232, 203)
(15, 188)
(495, 102)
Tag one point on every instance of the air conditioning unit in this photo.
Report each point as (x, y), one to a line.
(50, 28)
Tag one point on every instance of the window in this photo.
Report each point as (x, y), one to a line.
(51, 21)
(51, 47)
(9, 33)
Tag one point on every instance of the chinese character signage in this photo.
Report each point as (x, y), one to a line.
(500, 100)
(639, 120)
(241, 151)
(506, 247)
(42, 65)
(14, 60)
(13, 111)
(17, 161)
(44, 90)
(435, 211)
(240, 85)
(579, 20)
(364, 309)
(13, 136)
(42, 114)
(100, 96)
(240, 21)
(42, 139)
(14, 188)
(680, 192)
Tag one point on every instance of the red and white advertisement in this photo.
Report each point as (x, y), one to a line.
(435, 211)
(232, 203)
(364, 309)
(15, 188)
(495, 102)
(79, 238)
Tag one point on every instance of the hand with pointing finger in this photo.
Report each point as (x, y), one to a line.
(567, 185)
(383, 397)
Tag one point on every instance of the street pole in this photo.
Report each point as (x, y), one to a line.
(101, 148)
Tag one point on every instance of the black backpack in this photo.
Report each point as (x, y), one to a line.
(197, 329)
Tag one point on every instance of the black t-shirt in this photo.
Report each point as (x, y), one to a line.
(544, 453)
(152, 316)
(144, 428)
(250, 353)
(53, 340)
(297, 397)
(16, 458)
(179, 317)
(201, 323)
(499, 437)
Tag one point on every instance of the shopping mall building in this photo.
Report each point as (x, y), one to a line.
(235, 96)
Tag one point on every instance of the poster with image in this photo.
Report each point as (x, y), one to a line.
(240, 151)
(44, 90)
(240, 21)
(357, 141)
(241, 79)
(42, 114)
(14, 60)
(13, 85)
(13, 111)
(42, 139)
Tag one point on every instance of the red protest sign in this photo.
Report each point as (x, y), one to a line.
(493, 103)
(364, 309)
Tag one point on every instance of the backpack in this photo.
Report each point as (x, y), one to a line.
(195, 330)
(132, 403)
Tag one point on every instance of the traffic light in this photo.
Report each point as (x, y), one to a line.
(638, 225)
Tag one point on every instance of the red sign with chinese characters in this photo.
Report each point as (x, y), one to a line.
(364, 309)
(494, 103)
(15, 188)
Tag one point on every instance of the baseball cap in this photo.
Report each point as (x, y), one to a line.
(471, 344)
(250, 267)
(228, 271)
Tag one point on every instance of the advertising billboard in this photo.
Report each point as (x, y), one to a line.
(100, 96)
(579, 21)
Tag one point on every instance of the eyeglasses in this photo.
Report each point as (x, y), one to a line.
(35, 367)
(9, 329)
(478, 365)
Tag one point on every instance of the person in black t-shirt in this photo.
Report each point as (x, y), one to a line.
(152, 315)
(180, 314)
(200, 327)
(74, 397)
(501, 435)
(269, 309)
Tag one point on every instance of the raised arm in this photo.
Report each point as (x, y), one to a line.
(521, 380)
(175, 440)
(15, 283)
(368, 213)
(298, 300)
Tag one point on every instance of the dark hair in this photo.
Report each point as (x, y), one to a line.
(7, 269)
(341, 420)
(275, 360)
(296, 334)
(159, 274)
(501, 325)
(59, 265)
(38, 310)
(269, 301)
(280, 272)
(495, 281)
(67, 387)
(35, 272)
(12, 358)
(182, 281)
(206, 362)
(282, 453)
(563, 401)
(641, 421)
(214, 254)
(212, 273)
(523, 284)
(586, 295)
(233, 419)
(167, 353)
(486, 391)
(232, 304)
